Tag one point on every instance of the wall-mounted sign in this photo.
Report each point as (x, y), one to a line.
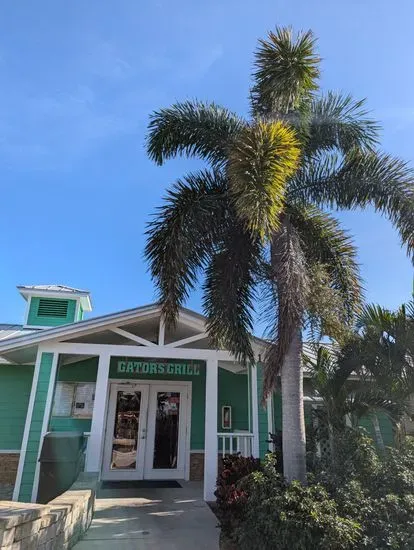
(226, 417)
(144, 367)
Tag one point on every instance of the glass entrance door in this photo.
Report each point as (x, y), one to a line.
(147, 431)
(167, 431)
(124, 452)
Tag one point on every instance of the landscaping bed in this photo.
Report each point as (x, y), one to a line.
(356, 501)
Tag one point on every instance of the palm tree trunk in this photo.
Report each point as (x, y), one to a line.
(378, 434)
(293, 419)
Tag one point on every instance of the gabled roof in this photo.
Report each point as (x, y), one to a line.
(73, 329)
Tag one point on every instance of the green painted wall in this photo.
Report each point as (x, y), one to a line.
(233, 391)
(15, 387)
(385, 425)
(35, 428)
(44, 321)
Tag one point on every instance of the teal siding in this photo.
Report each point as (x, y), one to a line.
(385, 426)
(15, 387)
(36, 428)
(233, 391)
(70, 424)
(43, 321)
(83, 371)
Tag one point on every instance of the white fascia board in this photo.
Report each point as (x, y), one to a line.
(112, 319)
(83, 327)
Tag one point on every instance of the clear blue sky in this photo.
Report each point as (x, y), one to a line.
(78, 82)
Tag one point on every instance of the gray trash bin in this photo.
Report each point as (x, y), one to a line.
(61, 460)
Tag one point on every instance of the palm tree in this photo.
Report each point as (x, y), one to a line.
(256, 216)
(386, 349)
(346, 399)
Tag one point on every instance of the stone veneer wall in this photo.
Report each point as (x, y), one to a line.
(8, 467)
(196, 466)
(57, 525)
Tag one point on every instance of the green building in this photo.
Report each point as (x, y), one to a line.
(154, 402)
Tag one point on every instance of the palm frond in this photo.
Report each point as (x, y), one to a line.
(289, 275)
(325, 242)
(286, 71)
(361, 180)
(182, 234)
(364, 402)
(338, 122)
(229, 292)
(192, 128)
(261, 160)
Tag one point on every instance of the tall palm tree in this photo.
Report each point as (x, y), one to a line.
(256, 217)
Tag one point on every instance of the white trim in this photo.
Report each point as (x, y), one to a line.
(155, 352)
(196, 451)
(188, 340)
(138, 471)
(9, 451)
(161, 331)
(191, 318)
(188, 433)
(270, 416)
(95, 441)
(45, 424)
(188, 385)
(16, 490)
(132, 337)
(255, 413)
(211, 440)
(180, 471)
(77, 308)
(27, 310)
(249, 398)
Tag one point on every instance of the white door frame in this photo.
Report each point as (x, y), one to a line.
(186, 436)
(138, 472)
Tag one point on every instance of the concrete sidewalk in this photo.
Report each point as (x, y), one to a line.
(152, 519)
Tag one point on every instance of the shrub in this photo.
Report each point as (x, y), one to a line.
(230, 499)
(292, 516)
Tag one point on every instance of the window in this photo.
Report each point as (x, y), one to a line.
(74, 399)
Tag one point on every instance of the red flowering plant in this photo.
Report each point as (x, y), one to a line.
(230, 498)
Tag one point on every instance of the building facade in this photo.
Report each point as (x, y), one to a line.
(154, 402)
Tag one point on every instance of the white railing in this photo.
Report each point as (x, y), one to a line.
(237, 442)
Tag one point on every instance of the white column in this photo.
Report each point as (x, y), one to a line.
(270, 418)
(210, 442)
(95, 442)
(255, 412)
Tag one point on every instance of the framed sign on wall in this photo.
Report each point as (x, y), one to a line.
(226, 417)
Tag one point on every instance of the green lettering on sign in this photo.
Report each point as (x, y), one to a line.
(153, 368)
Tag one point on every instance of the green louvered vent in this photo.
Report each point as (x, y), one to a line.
(48, 307)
